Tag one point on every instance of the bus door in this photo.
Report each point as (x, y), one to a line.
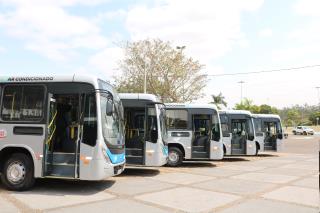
(239, 136)
(259, 133)
(201, 140)
(135, 135)
(63, 135)
(152, 147)
(270, 140)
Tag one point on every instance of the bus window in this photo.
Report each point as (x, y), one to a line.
(177, 119)
(90, 121)
(224, 125)
(23, 103)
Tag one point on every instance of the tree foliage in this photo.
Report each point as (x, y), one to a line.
(218, 100)
(247, 104)
(171, 75)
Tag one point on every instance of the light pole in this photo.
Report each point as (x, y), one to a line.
(241, 82)
(317, 121)
(181, 48)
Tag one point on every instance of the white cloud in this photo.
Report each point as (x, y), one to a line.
(107, 60)
(2, 49)
(307, 7)
(209, 29)
(267, 32)
(47, 28)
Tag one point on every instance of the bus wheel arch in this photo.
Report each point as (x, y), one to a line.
(176, 154)
(17, 168)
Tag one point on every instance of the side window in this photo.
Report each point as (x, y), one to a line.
(23, 103)
(90, 121)
(177, 119)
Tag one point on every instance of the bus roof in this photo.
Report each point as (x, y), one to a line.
(139, 96)
(191, 106)
(266, 116)
(237, 112)
(49, 78)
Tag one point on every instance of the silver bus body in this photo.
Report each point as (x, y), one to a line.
(145, 138)
(269, 132)
(30, 127)
(238, 132)
(194, 132)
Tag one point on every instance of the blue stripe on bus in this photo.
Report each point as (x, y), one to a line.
(116, 158)
(165, 150)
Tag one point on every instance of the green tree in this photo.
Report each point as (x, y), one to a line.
(218, 100)
(313, 118)
(266, 109)
(170, 74)
(293, 118)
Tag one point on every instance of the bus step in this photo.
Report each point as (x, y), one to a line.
(137, 160)
(134, 152)
(60, 157)
(200, 155)
(199, 148)
(269, 148)
(62, 170)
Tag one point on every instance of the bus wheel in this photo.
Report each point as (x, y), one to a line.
(18, 172)
(175, 156)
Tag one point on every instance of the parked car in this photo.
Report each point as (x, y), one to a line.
(303, 130)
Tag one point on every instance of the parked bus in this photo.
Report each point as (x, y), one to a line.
(193, 132)
(145, 128)
(269, 132)
(68, 127)
(238, 132)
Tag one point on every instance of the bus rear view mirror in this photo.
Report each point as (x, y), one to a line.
(109, 107)
(280, 136)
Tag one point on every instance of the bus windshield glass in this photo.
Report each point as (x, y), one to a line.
(111, 124)
(215, 126)
(163, 125)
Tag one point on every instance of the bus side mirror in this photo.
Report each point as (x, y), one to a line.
(251, 137)
(154, 136)
(109, 108)
(280, 136)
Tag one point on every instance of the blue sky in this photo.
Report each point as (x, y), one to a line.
(82, 36)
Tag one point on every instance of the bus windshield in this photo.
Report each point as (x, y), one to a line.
(112, 127)
(215, 127)
(163, 124)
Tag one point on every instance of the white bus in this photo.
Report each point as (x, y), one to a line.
(145, 139)
(238, 132)
(269, 132)
(193, 132)
(67, 127)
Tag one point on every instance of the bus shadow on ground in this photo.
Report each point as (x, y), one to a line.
(57, 187)
(234, 159)
(195, 164)
(266, 155)
(139, 172)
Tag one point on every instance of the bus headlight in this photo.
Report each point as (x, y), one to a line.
(215, 148)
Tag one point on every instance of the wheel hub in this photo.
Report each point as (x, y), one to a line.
(173, 157)
(16, 172)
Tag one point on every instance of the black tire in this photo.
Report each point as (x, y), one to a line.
(179, 155)
(305, 133)
(27, 180)
(294, 132)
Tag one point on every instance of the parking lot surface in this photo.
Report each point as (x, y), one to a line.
(271, 182)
